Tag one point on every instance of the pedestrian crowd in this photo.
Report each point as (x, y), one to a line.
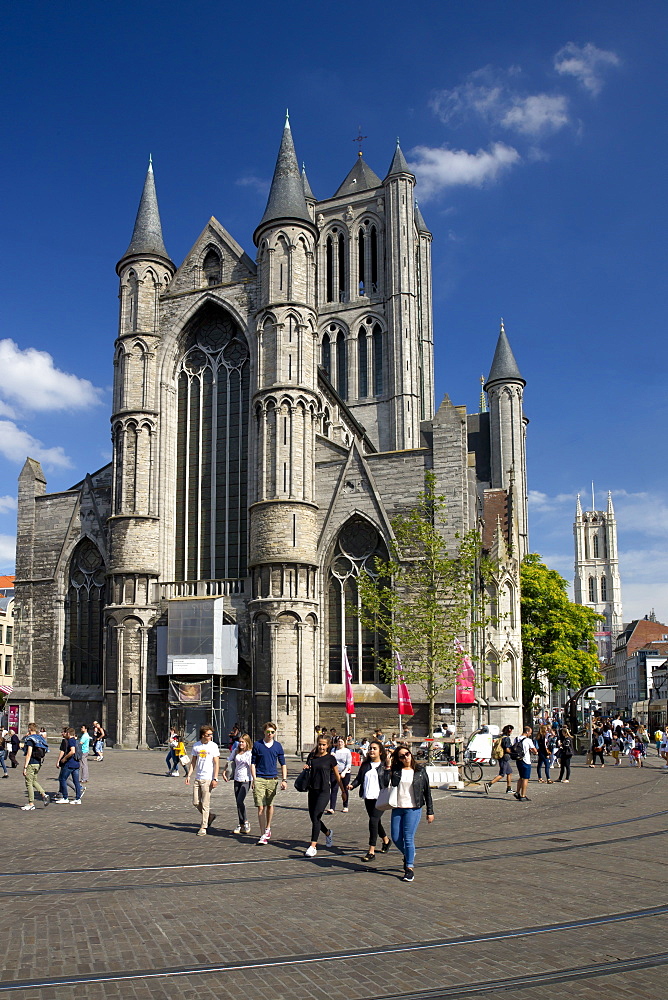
(71, 760)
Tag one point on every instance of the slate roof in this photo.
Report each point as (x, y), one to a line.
(286, 196)
(504, 367)
(398, 164)
(360, 178)
(147, 234)
(420, 224)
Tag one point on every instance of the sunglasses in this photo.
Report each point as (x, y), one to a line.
(404, 756)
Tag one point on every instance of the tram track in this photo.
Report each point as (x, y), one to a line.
(226, 968)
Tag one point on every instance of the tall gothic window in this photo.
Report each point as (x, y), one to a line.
(604, 588)
(327, 355)
(211, 482)
(341, 365)
(377, 361)
(592, 589)
(335, 267)
(367, 259)
(595, 546)
(358, 546)
(84, 615)
(212, 268)
(362, 361)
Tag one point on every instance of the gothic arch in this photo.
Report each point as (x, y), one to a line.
(84, 614)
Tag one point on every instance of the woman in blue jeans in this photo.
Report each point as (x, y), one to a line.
(410, 792)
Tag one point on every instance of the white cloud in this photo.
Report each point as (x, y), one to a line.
(7, 411)
(7, 503)
(542, 502)
(586, 63)
(439, 168)
(487, 95)
(537, 114)
(29, 377)
(257, 183)
(16, 444)
(7, 551)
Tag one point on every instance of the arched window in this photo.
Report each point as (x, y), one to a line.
(604, 588)
(327, 356)
(595, 546)
(358, 546)
(335, 267)
(377, 361)
(329, 269)
(212, 267)
(212, 447)
(341, 365)
(373, 239)
(362, 362)
(592, 589)
(84, 615)
(367, 259)
(361, 261)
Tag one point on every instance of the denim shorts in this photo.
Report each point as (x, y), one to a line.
(524, 770)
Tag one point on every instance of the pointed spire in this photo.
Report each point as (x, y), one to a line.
(360, 178)
(286, 196)
(578, 507)
(308, 194)
(420, 224)
(398, 164)
(147, 234)
(504, 367)
(483, 397)
(611, 509)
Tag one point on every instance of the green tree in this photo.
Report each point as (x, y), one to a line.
(557, 636)
(420, 599)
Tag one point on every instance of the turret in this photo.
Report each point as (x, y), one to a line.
(283, 528)
(505, 387)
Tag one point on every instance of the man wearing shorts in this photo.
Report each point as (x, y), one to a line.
(265, 755)
(204, 762)
(524, 763)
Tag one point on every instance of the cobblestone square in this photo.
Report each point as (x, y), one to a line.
(119, 898)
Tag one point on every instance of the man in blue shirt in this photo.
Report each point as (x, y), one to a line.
(265, 755)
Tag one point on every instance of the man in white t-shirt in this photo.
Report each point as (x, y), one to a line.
(204, 762)
(524, 763)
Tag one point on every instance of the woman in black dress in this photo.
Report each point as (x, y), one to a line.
(323, 770)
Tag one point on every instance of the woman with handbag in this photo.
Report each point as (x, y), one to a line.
(322, 768)
(410, 791)
(372, 777)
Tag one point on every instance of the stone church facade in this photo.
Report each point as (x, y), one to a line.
(270, 417)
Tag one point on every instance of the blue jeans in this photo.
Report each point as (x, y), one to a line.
(67, 771)
(3, 758)
(543, 762)
(404, 824)
(172, 761)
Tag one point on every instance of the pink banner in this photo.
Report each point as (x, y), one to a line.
(13, 717)
(350, 702)
(404, 698)
(466, 682)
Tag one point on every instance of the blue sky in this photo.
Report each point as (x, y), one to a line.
(537, 132)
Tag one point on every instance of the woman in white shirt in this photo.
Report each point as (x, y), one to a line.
(344, 763)
(410, 792)
(373, 775)
(241, 758)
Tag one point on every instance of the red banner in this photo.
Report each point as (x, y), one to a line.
(466, 682)
(350, 702)
(403, 696)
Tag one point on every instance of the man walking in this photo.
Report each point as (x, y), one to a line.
(69, 768)
(266, 754)
(204, 762)
(35, 749)
(526, 747)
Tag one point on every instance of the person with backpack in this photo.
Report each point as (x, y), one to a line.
(99, 736)
(35, 749)
(501, 753)
(597, 748)
(565, 754)
(520, 752)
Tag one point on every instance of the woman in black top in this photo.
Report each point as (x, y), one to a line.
(323, 770)
(565, 754)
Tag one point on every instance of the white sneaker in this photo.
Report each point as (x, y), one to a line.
(263, 839)
(329, 839)
(310, 852)
(75, 802)
(246, 827)
(62, 802)
(267, 833)
(237, 829)
(28, 807)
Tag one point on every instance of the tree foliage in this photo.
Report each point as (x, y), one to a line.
(557, 636)
(421, 597)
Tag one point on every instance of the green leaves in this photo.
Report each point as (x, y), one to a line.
(557, 636)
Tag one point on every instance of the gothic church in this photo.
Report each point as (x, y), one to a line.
(270, 417)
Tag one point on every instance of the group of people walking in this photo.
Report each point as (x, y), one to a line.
(548, 747)
(71, 760)
(397, 783)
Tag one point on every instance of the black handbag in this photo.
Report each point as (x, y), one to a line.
(302, 780)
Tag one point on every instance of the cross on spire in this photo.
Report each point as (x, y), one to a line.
(359, 138)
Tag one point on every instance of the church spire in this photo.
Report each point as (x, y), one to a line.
(308, 193)
(504, 367)
(578, 508)
(398, 164)
(611, 509)
(483, 397)
(420, 224)
(147, 234)
(286, 197)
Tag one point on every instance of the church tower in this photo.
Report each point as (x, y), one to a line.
(144, 270)
(597, 582)
(286, 406)
(507, 423)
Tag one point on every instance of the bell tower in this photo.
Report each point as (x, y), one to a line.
(597, 582)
